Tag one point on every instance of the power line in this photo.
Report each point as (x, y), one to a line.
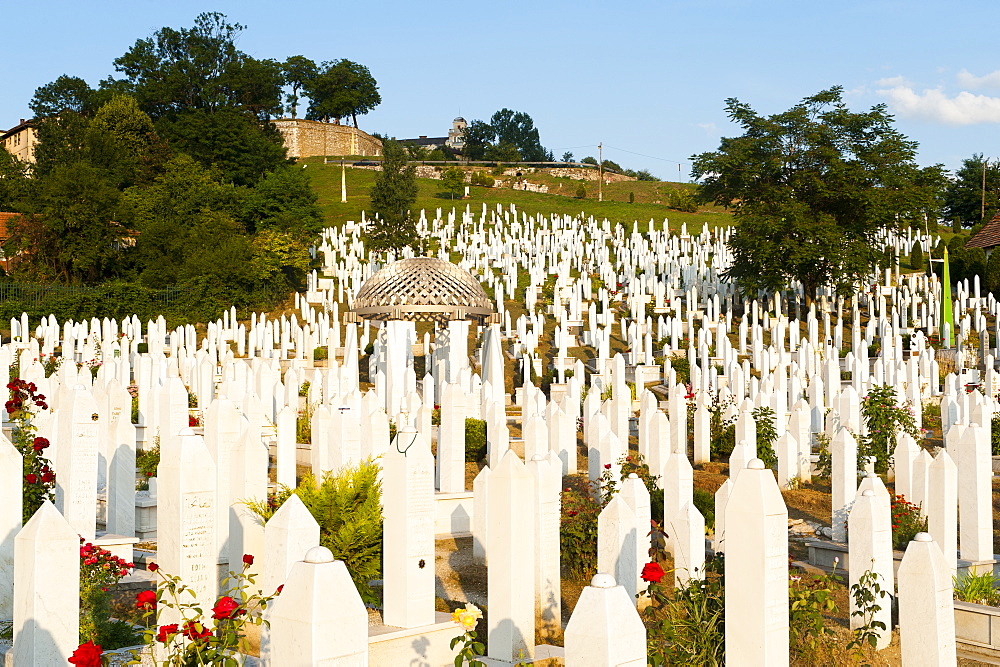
(652, 157)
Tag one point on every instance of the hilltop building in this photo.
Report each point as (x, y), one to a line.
(455, 139)
(311, 138)
(20, 140)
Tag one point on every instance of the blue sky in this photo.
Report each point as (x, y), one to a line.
(648, 79)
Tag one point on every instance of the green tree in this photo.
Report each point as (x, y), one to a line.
(230, 139)
(13, 181)
(342, 88)
(993, 273)
(284, 200)
(589, 160)
(67, 93)
(479, 135)
(518, 129)
(567, 157)
(453, 179)
(963, 198)
(503, 151)
(392, 195)
(66, 233)
(917, 257)
(121, 139)
(810, 189)
(298, 71)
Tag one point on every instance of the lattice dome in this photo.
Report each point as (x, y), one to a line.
(422, 289)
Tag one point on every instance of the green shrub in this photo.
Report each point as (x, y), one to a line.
(766, 436)
(146, 462)
(682, 368)
(631, 197)
(581, 190)
(319, 354)
(884, 419)
(682, 199)
(977, 588)
(304, 389)
(482, 179)
(346, 506)
(705, 502)
(578, 529)
(475, 440)
(303, 425)
(917, 257)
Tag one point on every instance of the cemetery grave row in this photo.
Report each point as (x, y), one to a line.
(620, 342)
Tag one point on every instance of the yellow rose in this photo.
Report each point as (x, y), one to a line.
(467, 617)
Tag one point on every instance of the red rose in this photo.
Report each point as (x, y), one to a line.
(39, 443)
(152, 567)
(278, 591)
(48, 476)
(247, 559)
(31, 478)
(86, 655)
(607, 466)
(225, 608)
(145, 600)
(652, 572)
(165, 631)
(195, 630)
(192, 421)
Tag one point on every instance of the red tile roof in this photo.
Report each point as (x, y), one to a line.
(988, 236)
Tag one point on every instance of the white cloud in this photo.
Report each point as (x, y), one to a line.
(934, 105)
(893, 82)
(969, 80)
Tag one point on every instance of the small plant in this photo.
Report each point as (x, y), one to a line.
(687, 628)
(995, 435)
(581, 190)
(304, 389)
(977, 588)
(809, 598)
(198, 639)
(866, 593)
(906, 522)
(50, 363)
(39, 480)
(475, 439)
(467, 618)
(824, 462)
(578, 529)
(767, 435)
(319, 354)
(346, 505)
(303, 424)
(99, 571)
(133, 391)
(884, 418)
(146, 462)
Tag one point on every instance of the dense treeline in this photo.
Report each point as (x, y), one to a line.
(170, 175)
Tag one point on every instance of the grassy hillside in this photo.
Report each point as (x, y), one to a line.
(431, 195)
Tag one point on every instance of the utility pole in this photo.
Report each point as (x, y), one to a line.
(343, 182)
(982, 210)
(600, 171)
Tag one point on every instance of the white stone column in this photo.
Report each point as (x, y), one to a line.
(186, 518)
(319, 618)
(757, 569)
(76, 462)
(511, 548)
(408, 532)
(605, 628)
(843, 480)
(942, 506)
(688, 543)
(47, 594)
(284, 459)
(926, 605)
(721, 499)
(121, 472)
(562, 440)
(870, 545)
(616, 544)
(247, 479)
(451, 440)
(634, 492)
(702, 434)
(288, 535)
(480, 515)
(903, 458)
(787, 450)
(11, 476)
(545, 472)
(975, 494)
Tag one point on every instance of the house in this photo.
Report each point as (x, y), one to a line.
(988, 237)
(20, 140)
(455, 139)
